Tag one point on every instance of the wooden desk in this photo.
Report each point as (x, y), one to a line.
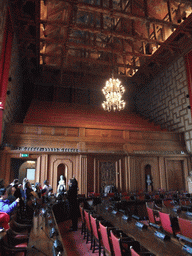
(145, 237)
(40, 242)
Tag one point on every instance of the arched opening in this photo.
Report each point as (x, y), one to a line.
(21, 169)
(148, 178)
(61, 170)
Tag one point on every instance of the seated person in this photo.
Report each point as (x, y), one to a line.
(7, 207)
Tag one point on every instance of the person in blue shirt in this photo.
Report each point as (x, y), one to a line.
(7, 205)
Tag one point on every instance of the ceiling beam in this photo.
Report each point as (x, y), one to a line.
(105, 32)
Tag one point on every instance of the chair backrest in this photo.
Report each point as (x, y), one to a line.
(82, 214)
(185, 227)
(116, 244)
(184, 202)
(126, 198)
(133, 252)
(111, 194)
(166, 222)
(94, 226)
(87, 220)
(168, 203)
(150, 214)
(105, 238)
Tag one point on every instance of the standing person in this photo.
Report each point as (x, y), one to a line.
(73, 204)
(30, 195)
(15, 184)
(46, 188)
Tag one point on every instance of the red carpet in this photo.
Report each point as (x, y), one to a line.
(73, 242)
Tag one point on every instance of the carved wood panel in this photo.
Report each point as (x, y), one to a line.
(107, 174)
(175, 175)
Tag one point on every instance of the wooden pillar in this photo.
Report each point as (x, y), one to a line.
(83, 189)
(38, 170)
(120, 176)
(117, 175)
(162, 173)
(127, 173)
(44, 175)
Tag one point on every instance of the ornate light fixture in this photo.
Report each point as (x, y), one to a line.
(113, 89)
(113, 92)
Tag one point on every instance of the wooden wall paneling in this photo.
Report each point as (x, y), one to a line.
(155, 172)
(95, 181)
(120, 176)
(98, 177)
(77, 171)
(3, 164)
(38, 170)
(138, 172)
(187, 170)
(186, 167)
(132, 174)
(176, 173)
(7, 172)
(162, 173)
(117, 175)
(44, 169)
(91, 175)
(126, 184)
(84, 174)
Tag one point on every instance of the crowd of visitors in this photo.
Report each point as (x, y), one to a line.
(23, 197)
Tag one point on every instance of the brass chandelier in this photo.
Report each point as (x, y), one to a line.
(113, 89)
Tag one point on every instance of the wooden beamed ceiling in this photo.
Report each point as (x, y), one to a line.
(96, 36)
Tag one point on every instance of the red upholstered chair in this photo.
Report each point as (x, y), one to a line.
(167, 224)
(168, 203)
(124, 194)
(19, 249)
(111, 194)
(120, 248)
(96, 234)
(133, 252)
(126, 198)
(105, 236)
(88, 227)
(152, 217)
(83, 227)
(184, 202)
(185, 227)
(96, 194)
(141, 253)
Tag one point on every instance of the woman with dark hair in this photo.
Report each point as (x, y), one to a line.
(73, 204)
(30, 194)
(7, 207)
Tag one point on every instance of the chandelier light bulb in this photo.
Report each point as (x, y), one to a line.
(113, 92)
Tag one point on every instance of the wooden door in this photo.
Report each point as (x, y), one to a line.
(175, 175)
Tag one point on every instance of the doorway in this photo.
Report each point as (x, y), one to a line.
(175, 175)
(21, 168)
